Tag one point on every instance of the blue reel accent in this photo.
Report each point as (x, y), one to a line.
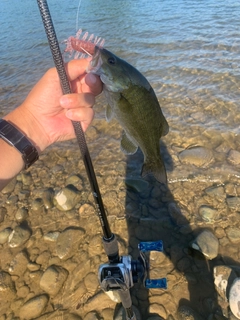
(152, 246)
(156, 283)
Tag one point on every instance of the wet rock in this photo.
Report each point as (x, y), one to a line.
(23, 194)
(4, 235)
(33, 266)
(23, 291)
(59, 315)
(91, 316)
(37, 204)
(19, 264)
(19, 236)
(10, 186)
(187, 313)
(67, 241)
(67, 198)
(12, 200)
(234, 157)
(198, 156)
(53, 279)
(33, 307)
(76, 181)
(87, 210)
(91, 282)
(43, 258)
(47, 198)
(207, 244)
(158, 309)
(223, 278)
(138, 185)
(207, 213)
(234, 203)
(7, 287)
(3, 212)
(26, 178)
(234, 298)
(51, 236)
(217, 192)
(21, 214)
(233, 234)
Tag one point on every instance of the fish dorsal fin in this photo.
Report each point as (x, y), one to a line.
(127, 145)
(109, 113)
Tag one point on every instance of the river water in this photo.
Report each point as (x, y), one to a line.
(189, 52)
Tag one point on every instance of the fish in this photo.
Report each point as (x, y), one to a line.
(133, 102)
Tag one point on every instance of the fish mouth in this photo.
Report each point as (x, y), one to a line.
(96, 62)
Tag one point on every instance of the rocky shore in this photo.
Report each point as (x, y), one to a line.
(51, 240)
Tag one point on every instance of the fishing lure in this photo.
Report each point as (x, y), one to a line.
(83, 44)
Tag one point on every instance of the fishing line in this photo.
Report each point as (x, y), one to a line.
(58, 60)
(77, 17)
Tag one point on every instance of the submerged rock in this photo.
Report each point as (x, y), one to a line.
(67, 242)
(19, 236)
(53, 279)
(187, 313)
(234, 157)
(33, 307)
(207, 213)
(207, 244)
(7, 287)
(223, 278)
(234, 298)
(67, 198)
(198, 156)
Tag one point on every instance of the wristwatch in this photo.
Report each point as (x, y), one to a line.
(15, 138)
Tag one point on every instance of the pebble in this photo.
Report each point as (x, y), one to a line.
(7, 287)
(53, 279)
(198, 156)
(67, 198)
(234, 157)
(233, 234)
(217, 192)
(21, 214)
(207, 244)
(19, 264)
(26, 178)
(233, 203)
(33, 307)
(223, 278)
(10, 186)
(47, 198)
(87, 210)
(234, 298)
(67, 242)
(187, 313)
(207, 213)
(3, 212)
(4, 234)
(19, 236)
(51, 236)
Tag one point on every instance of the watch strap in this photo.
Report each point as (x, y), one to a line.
(17, 139)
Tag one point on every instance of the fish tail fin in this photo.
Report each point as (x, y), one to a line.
(155, 168)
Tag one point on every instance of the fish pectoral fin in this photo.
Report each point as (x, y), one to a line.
(109, 113)
(127, 145)
(165, 127)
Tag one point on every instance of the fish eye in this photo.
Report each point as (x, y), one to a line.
(112, 61)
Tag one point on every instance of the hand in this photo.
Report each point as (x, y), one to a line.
(45, 114)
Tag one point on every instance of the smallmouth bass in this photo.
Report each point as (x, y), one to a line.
(132, 101)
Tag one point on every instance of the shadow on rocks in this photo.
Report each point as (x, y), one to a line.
(153, 214)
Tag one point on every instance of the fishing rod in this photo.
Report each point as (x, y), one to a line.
(120, 273)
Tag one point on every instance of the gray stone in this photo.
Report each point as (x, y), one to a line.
(67, 198)
(47, 197)
(234, 157)
(7, 287)
(4, 234)
(3, 212)
(207, 213)
(234, 203)
(26, 178)
(234, 298)
(51, 236)
(198, 156)
(9, 187)
(187, 313)
(217, 192)
(19, 264)
(21, 214)
(53, 279)
(223, 278)
(33, 307)
(207, 244)
(233, 234)
(67, 241)
(19, 236)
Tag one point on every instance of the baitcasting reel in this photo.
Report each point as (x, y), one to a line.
(116, 278)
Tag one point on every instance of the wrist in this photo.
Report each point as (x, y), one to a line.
(25, 122)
